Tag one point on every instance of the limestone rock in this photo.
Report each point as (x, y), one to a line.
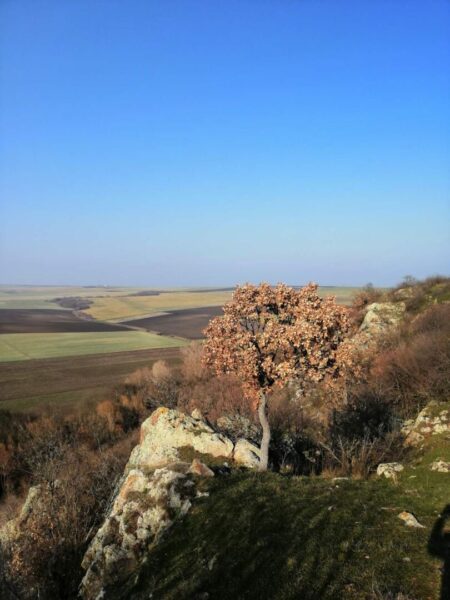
(166, 432)
(199, 468)
(145, 507)
(35, 502)
(389, 470)
(380, 316)
(410, 520)
(36, 505)
(440, 466)
(430, 421)
(196, 414)
(158, 486)
(246, 454)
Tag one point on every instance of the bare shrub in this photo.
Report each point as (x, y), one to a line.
(367, 295)
(358, 457)
(44, 561)
(192, 368)
(414, 364)
(215, 396)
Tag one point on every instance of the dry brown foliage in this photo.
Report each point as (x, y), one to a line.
(269, 336)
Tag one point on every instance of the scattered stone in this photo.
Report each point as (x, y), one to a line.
(199, 468)
(441, 428)
(247, 454)
(389, 470)
(441, 466)
(410, 520)
(202, 495)
(197, 414)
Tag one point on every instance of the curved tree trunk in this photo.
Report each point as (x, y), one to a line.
(264, 448)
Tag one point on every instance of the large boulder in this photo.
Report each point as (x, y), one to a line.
(166, 435)
(159, 485)
(380, 316)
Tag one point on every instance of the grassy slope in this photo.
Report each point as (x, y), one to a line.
(21, 346)
(268, 536)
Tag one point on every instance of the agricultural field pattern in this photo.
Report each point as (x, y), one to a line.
(65, 345)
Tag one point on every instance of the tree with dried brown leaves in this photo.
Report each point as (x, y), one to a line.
(269, 336)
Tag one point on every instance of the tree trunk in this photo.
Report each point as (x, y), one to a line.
(264, 448)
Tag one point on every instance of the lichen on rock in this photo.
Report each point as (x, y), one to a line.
(158, 487)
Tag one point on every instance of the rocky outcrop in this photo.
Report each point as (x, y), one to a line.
(167, 435)
(160, 484)
(36, 502)
(145, 507)
(380, 316)
(432, 420)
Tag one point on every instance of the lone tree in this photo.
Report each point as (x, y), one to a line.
(269, 336)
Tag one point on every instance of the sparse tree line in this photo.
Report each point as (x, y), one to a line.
(279, 367)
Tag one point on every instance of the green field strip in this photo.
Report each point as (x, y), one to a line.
(20, 346)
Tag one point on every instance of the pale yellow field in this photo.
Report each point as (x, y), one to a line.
(127, 307)
(33, 296)
(118, 308)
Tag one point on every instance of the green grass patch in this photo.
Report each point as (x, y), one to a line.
(267, 536)
(22, 346)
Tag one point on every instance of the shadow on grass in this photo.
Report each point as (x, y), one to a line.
(262, 536)
(439, 546)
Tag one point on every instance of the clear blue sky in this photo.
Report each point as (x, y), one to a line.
(182, 142)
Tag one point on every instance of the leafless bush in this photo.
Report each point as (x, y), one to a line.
(358, 457)
(414, 364)
(44, 560)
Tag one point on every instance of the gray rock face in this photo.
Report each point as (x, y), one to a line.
(158, 487)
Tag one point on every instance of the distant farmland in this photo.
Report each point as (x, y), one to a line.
(188, 323)
(49, 356)
(49, 321)
(121, 308)
(62, 383)
(26, 346)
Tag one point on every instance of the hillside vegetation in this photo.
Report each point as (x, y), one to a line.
(302, 537)
(354, 504)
